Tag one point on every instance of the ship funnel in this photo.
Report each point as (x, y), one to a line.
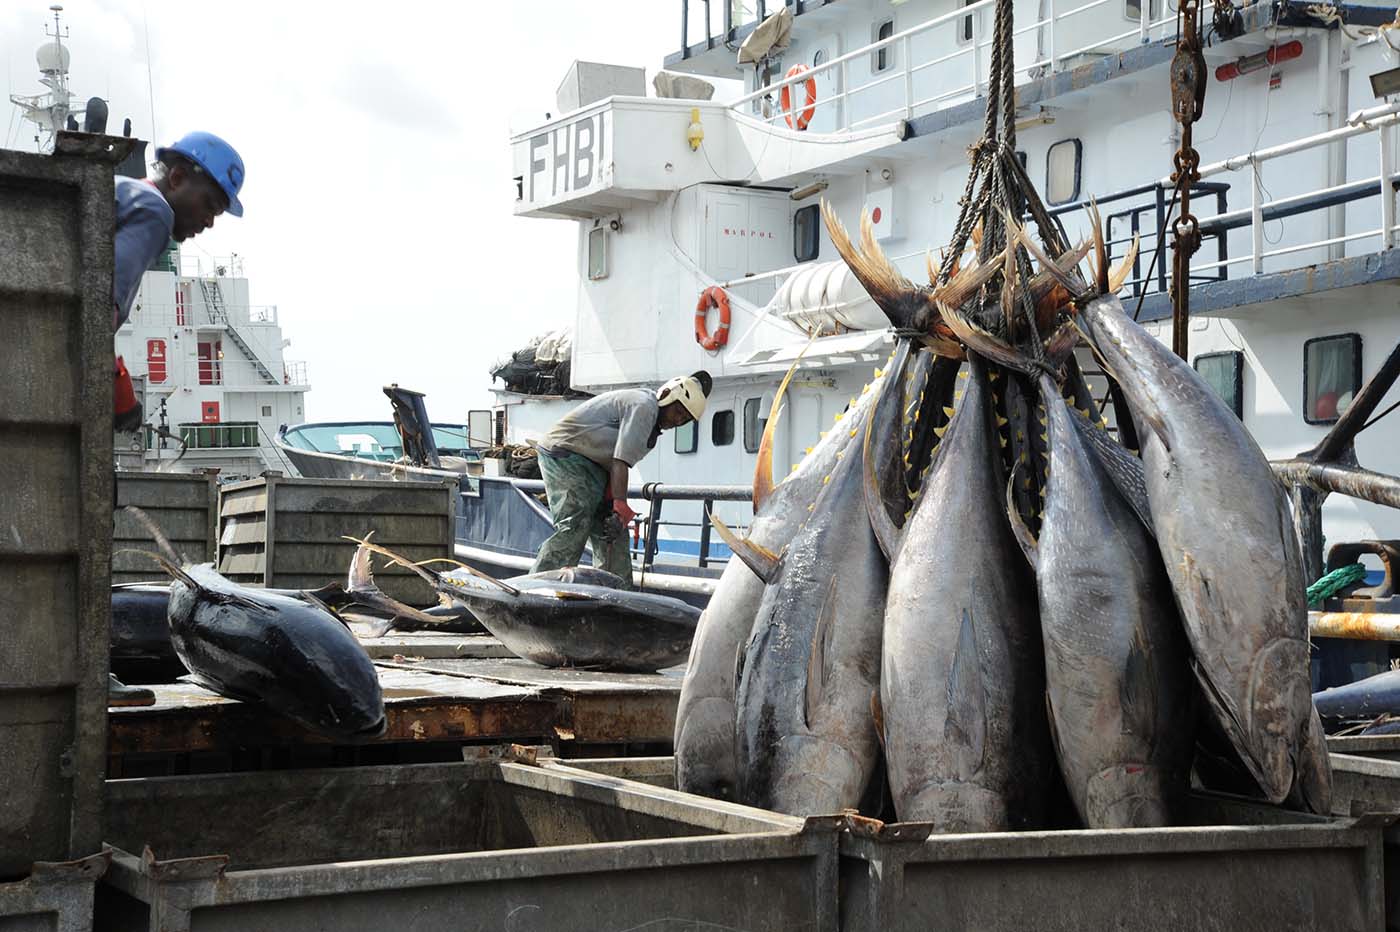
(95, 116)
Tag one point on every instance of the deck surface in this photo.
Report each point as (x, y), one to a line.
(455, 698)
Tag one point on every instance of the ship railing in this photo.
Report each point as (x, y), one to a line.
(971, 57)
(645, 536)
(227, 372)
(207, 266)
(184, 315)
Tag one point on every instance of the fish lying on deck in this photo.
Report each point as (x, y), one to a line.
(291, 654)
(1361, 702)
(574, 617)
(140, 634)
(705, 716)
(1227, 540)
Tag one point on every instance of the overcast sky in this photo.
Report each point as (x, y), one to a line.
(376, 138)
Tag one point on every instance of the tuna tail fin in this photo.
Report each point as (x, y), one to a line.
(1100, 249)
(362, 590)
(761, 560)
(763, 471)
(895, 295)
(428, 576)
(1029, 545)
(983, 342)
(1118, 276)
(169, 566)
(1070, 282)
(157, 535)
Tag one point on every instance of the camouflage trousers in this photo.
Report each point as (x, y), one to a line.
(578, 502)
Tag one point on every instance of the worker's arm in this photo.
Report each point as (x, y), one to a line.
(617, 481)
(617, 491)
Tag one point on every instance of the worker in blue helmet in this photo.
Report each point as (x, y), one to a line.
(193, 181)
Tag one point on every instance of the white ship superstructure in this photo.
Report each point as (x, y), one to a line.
(1292, 296)
(211, 370)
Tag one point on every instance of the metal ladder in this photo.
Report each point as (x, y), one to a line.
(218, 314)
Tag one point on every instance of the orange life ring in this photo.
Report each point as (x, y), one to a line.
(713, 296)
(805, 116)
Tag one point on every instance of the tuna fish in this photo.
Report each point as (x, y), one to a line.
(805, 737)
(705, 717)
(962, 683)
(557, 621)
(1363, 701)
(1226, 537)
(141, 648)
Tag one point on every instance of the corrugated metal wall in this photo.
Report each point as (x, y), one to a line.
(289, 533)
(56, 219)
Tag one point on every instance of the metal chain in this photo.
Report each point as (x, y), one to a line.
(1188, 80)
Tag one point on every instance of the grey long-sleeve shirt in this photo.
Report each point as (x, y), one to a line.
(144, 224)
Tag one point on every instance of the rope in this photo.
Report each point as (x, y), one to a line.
(1334, 582)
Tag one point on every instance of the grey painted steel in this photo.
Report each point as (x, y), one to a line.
(55, 897)
(479, 845)
(1383, 746)
(1246, 867)
(1365, 784)
(289, 533)
(184, 505)
(56, 220)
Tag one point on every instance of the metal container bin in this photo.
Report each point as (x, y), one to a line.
(55, 897)
(1243, 867)
(56, 219)
(477, 845)
(184, 505)
(289, 533)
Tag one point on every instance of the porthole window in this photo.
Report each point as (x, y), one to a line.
(753, 424)
(1331, 376)
(1062, 164)
(597, 253)
(883, 59)
(687, 437)
(1224, 372)
(806, 233)
(722, 428)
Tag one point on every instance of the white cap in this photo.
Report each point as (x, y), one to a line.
(685, 389)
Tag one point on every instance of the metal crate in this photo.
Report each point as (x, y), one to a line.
(289, 533)
(56, 374)
(55, 897)
(1243, 866)
(477, 845)
(185, 506)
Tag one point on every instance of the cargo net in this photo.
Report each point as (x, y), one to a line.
(542, 367)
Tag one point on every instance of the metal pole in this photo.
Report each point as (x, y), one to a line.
(685, 28)
(1256, 215)
(1387, 190)
(976, 55)
(1307, 518)
(908, 78)
(845, 99)
(705, 508)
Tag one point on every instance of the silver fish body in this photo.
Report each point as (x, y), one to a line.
(805, 739)
(1116, 659)
(1226, 538)
(962, 683)
(705, 716)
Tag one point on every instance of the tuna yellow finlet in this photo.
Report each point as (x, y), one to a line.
(879, 372)
(948, 411)
(826, 479)
(940, 431)
(853, 433)
(1001, 421)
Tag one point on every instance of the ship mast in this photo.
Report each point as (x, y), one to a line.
(52, 111)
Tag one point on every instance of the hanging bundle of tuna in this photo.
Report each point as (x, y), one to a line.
(979, 583)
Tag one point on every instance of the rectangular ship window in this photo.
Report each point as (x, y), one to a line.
(753, 424)
(806, 233)
(722, 428)
(597, 253)
(1062, 165)
(1331, 376)
(687, 437)
(1224, 372)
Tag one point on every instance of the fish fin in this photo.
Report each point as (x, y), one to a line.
(818, 669)
(157, 535)
(982, 341)
(1061, 275)
(895, 295)
(565, 595)
(173, 568)
(965, 730)
(1119, 276)
(739, 652)
(1100, 248)
(887, 530)
(1029, 545)
(969, 281)
(756, 557)
(311, 598)
(1124, 470)
(763, 471)
(428, 576)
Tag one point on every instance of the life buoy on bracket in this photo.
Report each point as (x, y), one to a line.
(714, 296)
(804, 117)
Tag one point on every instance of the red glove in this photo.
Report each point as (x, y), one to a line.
(624, 514)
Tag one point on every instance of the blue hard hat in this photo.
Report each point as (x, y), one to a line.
(218, 159)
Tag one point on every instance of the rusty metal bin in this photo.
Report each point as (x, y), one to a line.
(185, 506)
(55, 897)
(1244, 867)
(476, 845)
(56, 220)
(289, 533)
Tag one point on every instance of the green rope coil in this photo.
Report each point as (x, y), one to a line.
(1334, 582)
